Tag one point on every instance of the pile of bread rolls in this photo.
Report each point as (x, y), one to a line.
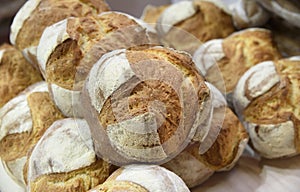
(97, 100)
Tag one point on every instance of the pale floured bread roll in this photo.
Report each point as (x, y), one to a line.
(219, 151)
(142, 178)
(247, 14)
(35, 15)
(224, 61)
(64, 159)
(288, 10)
(151, 13)
(267, 100)
(69, 48)
(144, 104)
(23, 121)
(16, 74)
(188, 24)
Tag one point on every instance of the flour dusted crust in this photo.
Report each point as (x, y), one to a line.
(193, 23)
(266, 99)
(288, 10)
(78, 43)
(36, 15)
(139, 109)
(16, 74)
(234, 55)
(7, 181)
(247, 14)
(23, 120)
(149, 177)
(65, 155)
(219, 150)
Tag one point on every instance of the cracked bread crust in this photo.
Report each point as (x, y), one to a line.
(16, 74)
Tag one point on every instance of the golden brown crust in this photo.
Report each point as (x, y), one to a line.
(79, 180)
(152, 13)
(242, 51)
(119, 186)
(225, 148)
(44, 113)
(16, 73)
(144, 93)
(49, 12)
(281, 102)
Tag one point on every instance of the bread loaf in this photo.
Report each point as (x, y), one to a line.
(267, 100)
(142, 178)
(144, 104)
(23, 121)
(68, 49)
(16, 73)
(224, 61)
(35, 15)
(188, 24)
(219, 150)
(64, 159)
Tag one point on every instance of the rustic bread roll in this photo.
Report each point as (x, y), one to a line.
(224, 61)
(288, 10)
(16, 73)
(68, 49)
(247, 13)
(142, 178)
(144, 104)
(64, 159)
(151, 13)
(23, 121)
(220, 150)
(267, 100)
(188, 24)
(35, 15)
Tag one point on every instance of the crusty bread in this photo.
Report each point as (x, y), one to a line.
(188, 24)
(64, 159)
(219, 150)
(31, 20)
(23, 121)
(146, 103)
(151, 13)
(234, 55)
(267, 100)
(68, 49)
(16, 73)
(142, 178)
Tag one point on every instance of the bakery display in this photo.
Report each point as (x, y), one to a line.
(23, 120)
(192, 96)
(69, 48)
(64, 159)
(267, 100)
(142, 178)
(219, 150)
(219, 59)
(143, 104)
(188, 24)
(35, 15)
(16, 74)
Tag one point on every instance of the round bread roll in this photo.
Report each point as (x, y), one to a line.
(187, 24)
(219, 59)
(267, 101)
(69, 48)
(16, 73)
(23, 121)
(144, 104)
(247, 13)
(64, 159)
(35, 15)
(142, 178)
(288, 10)
(220, 149)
